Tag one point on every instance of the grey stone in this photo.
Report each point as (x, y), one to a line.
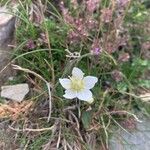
(136, 139)
(7, 28)
(15, 92)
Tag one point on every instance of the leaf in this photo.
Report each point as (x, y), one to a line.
(122, 86)
(144, 83)
(86, 118)
(141, 62)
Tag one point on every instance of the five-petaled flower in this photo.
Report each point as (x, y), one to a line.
(78, 86)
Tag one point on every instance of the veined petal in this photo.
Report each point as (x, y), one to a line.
(77, 73)
(69, 94)
(89, 81)
(66, 83)
(85, 95)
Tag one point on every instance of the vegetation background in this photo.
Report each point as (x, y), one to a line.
(108, 39)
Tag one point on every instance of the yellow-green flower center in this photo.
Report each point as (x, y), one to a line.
(77, 84)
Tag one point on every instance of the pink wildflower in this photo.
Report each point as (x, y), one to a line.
(30, 44)
(117, 75)
(92, 5)
(106, 15)
(122, 3)
(96, 49)
(124, 57)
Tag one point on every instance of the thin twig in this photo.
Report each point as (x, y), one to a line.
(50, 101)
(126, 112)
(59, 137)
(46, 82)
(105, 130)
(32, 130)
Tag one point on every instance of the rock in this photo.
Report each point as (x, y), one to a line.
(7, 28)
(15, 92)
(136, 139)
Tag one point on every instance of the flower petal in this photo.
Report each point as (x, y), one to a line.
(66, 83)
(90, 81)
(77, 73)
(85, 95)
(69, 94)
(90, 101)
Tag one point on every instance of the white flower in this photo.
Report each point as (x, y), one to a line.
(78, 86)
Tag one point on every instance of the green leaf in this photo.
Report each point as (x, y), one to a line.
(122, 86)
(144, 83)
(86, 118)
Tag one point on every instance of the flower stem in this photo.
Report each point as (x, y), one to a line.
(78, 107)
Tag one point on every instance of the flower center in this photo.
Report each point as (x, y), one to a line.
(77, 84)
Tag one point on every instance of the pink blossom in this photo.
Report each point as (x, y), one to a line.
(91, 23)
(106, 15)
(110, 47)
(30, 44)
(146, 45)
(92, 5)
(96, 49)
(79, 31)
(124, 57)
(67, 17)
(122, 3)
(117, 75)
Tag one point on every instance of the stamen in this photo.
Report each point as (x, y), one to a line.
(77, 84)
